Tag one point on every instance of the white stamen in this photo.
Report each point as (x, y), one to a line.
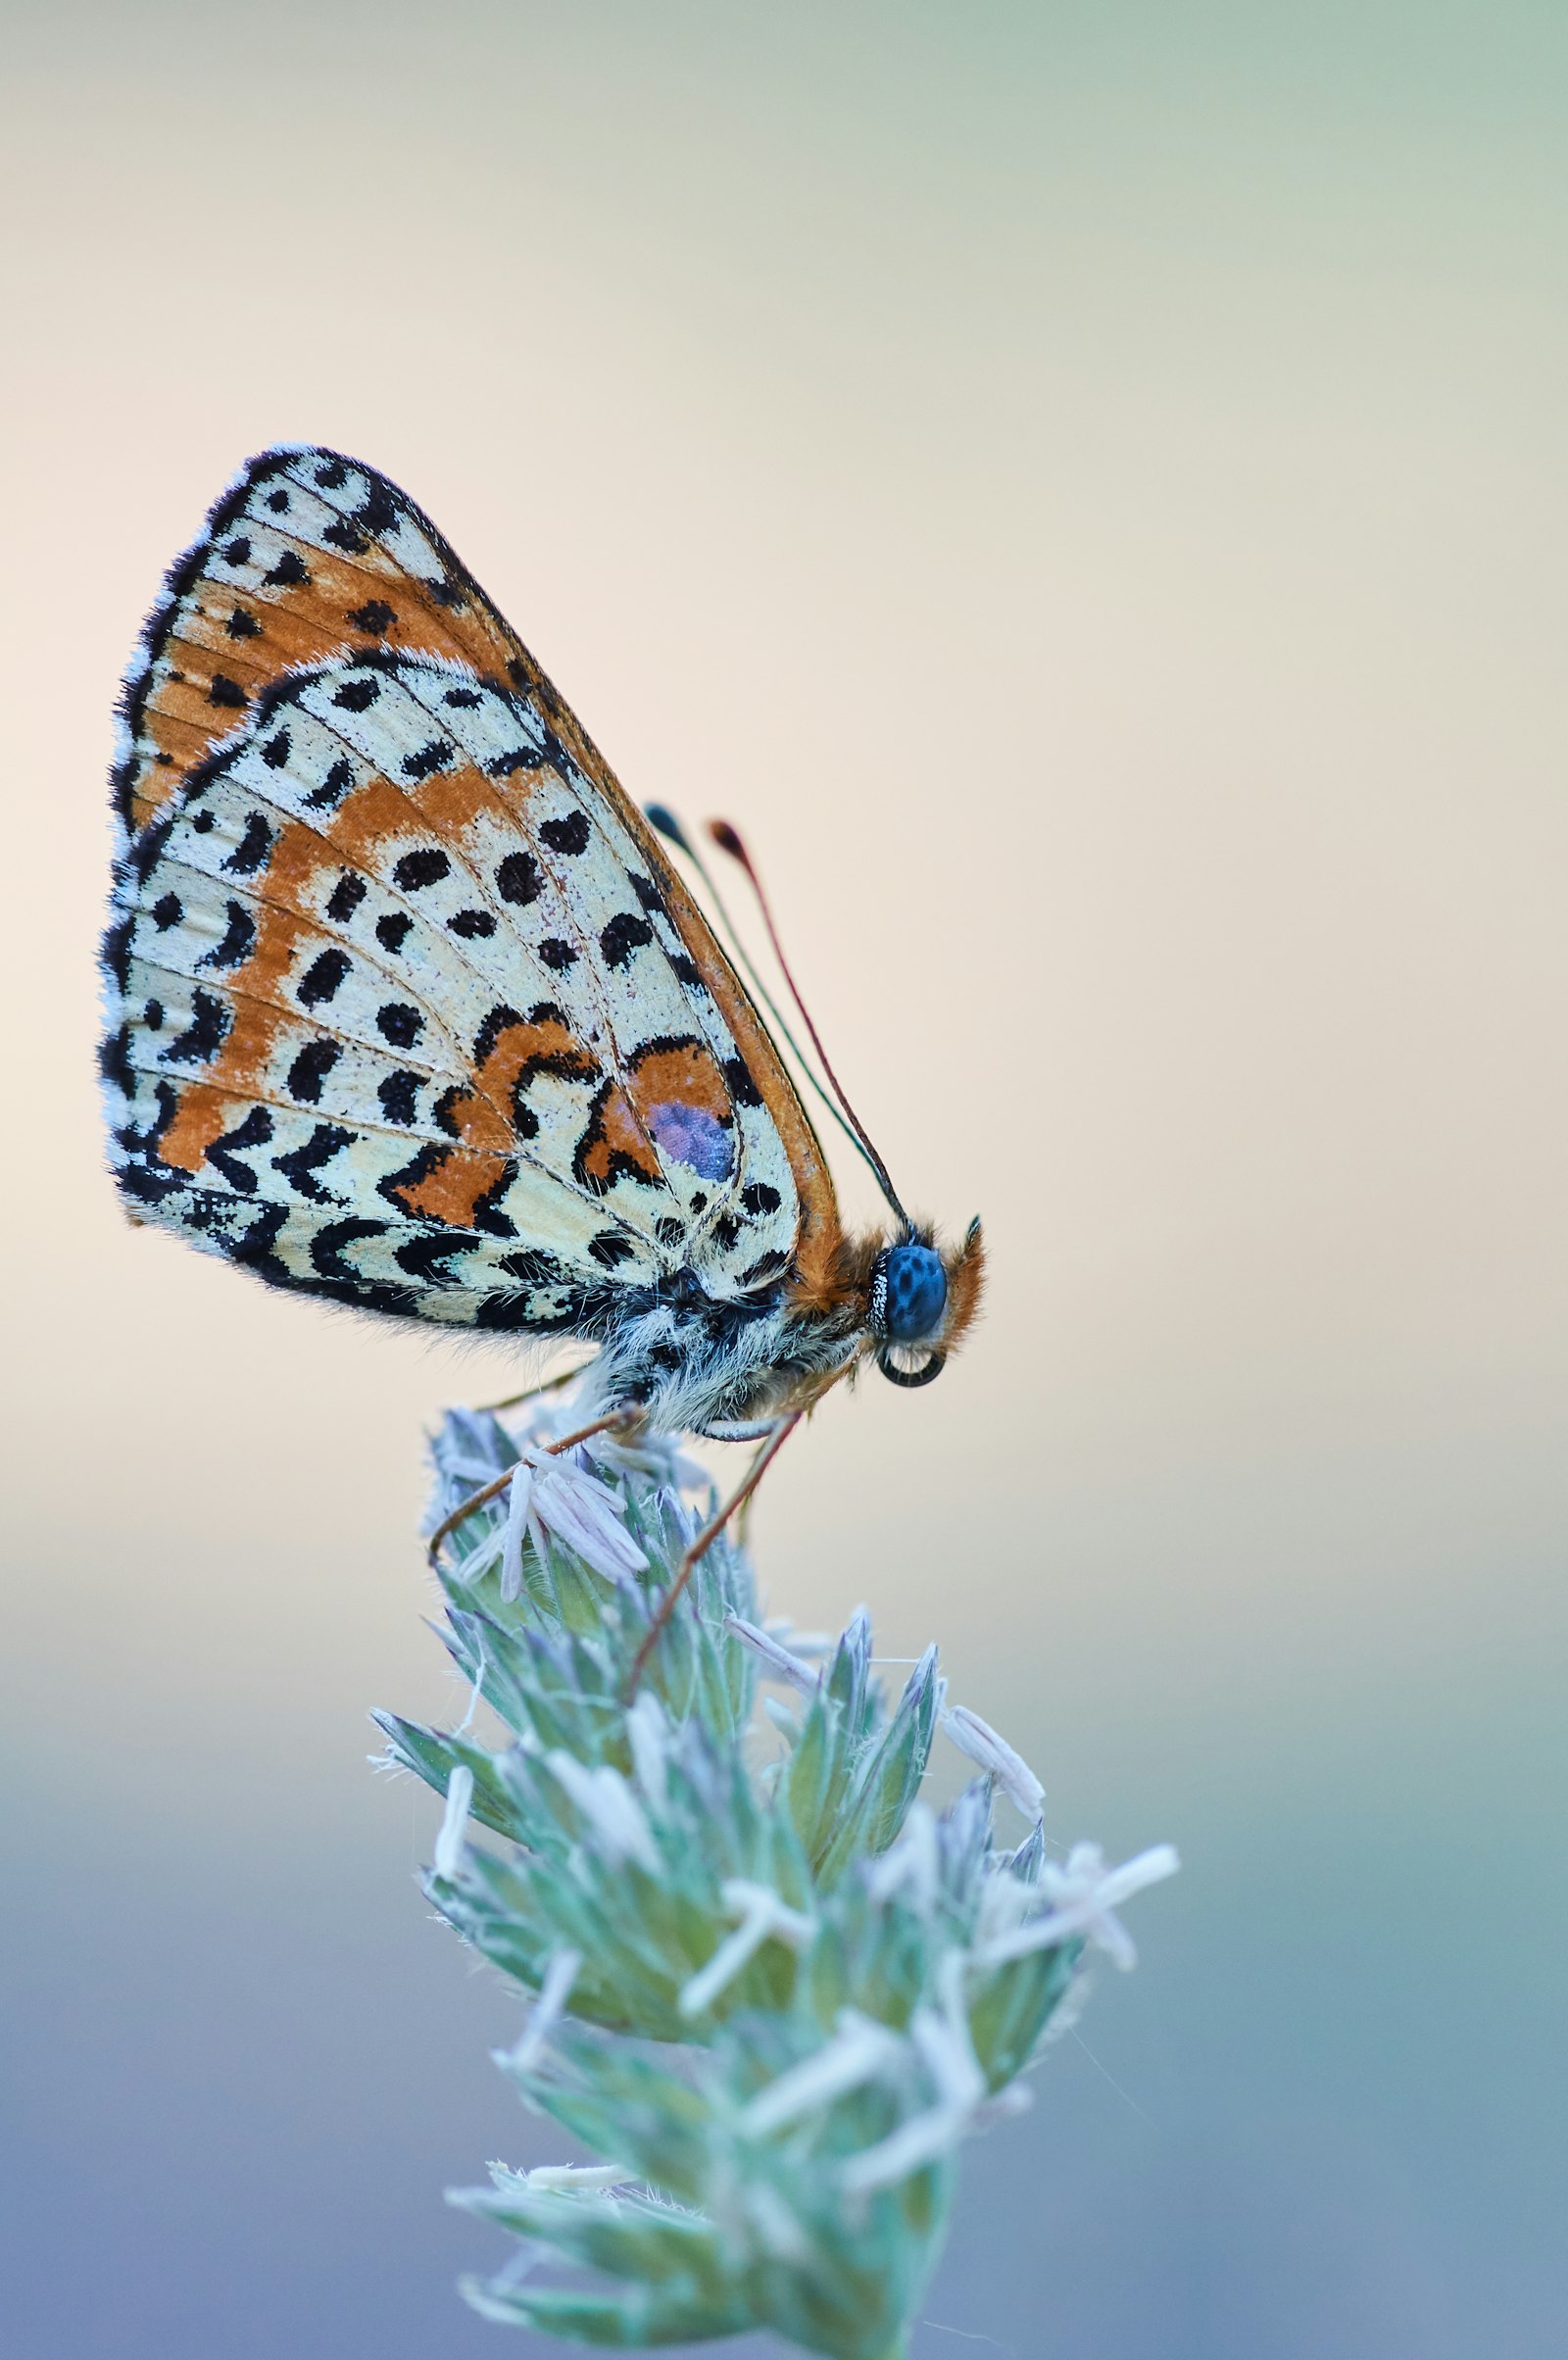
(577, 2178)
(941, 2038)
(780, 1662)
(1086, 1894)
(762, 1914)
(648, 1731)
(583, 1512)
(859, 2052)
(800, 1642)
(604, 1796)
(475, 1691)
(546, 2012)
(982, 1743)
(519, 1497)
(448, 1855)
(947, 2055)
(917, 2141)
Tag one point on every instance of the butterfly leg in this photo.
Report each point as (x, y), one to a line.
(617, 1423)
(708, 1536)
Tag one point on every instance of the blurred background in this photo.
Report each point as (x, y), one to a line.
(1084, 488)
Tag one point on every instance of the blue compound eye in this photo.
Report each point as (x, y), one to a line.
(916, 1294)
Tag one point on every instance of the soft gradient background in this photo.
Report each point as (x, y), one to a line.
(1085, 486)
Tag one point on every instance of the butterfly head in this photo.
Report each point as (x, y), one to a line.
(920, 1302)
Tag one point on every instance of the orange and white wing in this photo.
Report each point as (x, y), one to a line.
(407, 1007)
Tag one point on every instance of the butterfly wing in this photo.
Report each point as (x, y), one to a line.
(408, 1009)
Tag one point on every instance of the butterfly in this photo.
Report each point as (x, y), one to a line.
(408, 1009)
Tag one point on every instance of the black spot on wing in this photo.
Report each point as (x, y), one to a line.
(471, 925)
(290, 573)
(522, 1311)
(518, 880)
(444, 1113)
(742, 1089)
(567, 835)
(417, 869)
(238, 941)
(148, 849)
(300, 1166)
(392, 931)
(424, 1258)
(429, 1158)
(254, 1132)
(113, 1061)
(530, 1267)
(206, 1033)
(242, 625)
(115, 950)
(759, 1197)
(333, 787)
(253, 1248)
(329, 1244)
(487, 1212)
(399, 1095)
(274, 753)
(399, 1024)
(224, 692)
(769, 1266)
(375, 617)
(252, 849)
(492, 1029)
(356, 696)
(377, 511)
(429, 758)
(346, 895)
(323, 978)
(309, 1071)
(520, 758)
(610, 1249)
(624, 934)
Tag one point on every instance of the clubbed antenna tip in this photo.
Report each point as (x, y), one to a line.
(728, 840)
(660, 815)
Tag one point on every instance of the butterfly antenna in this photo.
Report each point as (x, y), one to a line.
(729, 840)
(659, 817)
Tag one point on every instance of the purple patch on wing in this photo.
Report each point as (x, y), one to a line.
(691, 1136)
